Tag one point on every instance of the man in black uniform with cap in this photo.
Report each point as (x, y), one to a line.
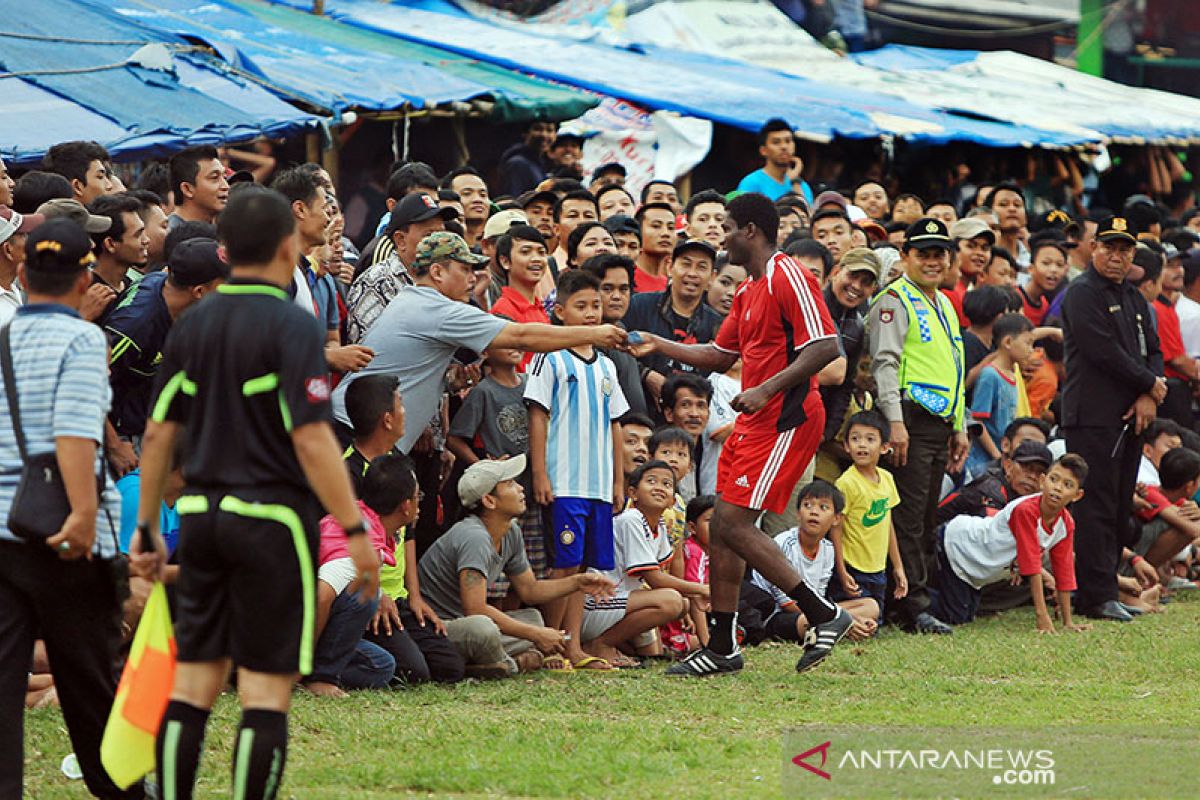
(1114, 386)
(243, 379)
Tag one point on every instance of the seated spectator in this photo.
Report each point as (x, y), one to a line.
(1160, 437)
(865, 540)
(404, 625)
(705, 213)
(493, 422)
(456, 570)
(641, 549)
(811, 553)
(376, 413)
(695, 555)
(973, 552)
(1170, 521)
(343, 658)
(1020, 472)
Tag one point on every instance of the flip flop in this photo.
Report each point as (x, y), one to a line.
(584, 665)
(556, 663)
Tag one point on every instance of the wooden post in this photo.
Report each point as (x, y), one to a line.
(318, 7)
(312, 147)
(331, 158)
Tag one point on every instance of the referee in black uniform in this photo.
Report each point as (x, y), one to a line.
(243, 379)
(1114, 385)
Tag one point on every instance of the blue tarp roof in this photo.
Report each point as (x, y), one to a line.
(730, 92)
(72, 59)
(322, 74)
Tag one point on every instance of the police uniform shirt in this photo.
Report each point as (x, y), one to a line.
(887, 330)
(242, 370)
(1112, 350)
(137, 330)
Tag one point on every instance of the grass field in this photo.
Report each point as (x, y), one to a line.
(1117, 705)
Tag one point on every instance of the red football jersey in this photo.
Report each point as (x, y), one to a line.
(772, 319)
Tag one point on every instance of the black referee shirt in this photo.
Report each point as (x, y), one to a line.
(241, 370)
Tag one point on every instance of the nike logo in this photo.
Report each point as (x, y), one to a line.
(877, 513)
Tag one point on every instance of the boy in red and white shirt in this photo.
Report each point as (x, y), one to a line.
(974, 552)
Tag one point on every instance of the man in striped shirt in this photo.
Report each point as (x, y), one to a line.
(780, 328)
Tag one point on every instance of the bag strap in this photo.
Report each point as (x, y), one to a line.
(10, 388)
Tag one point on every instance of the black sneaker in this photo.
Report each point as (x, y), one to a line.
(705, 662)
(819, 641)
(928, 623)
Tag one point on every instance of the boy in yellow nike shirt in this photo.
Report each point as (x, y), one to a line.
(866, 538)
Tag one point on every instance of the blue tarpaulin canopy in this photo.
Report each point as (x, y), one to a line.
(324, 74)
(731, 92)
(73, 65)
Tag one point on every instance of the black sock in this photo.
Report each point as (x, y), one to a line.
(259, 754)
(816, 609)
(177, 748)
(722, 632)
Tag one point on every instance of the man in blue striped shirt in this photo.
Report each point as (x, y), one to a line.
(66, 589)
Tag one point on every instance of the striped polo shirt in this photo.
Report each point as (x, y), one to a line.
(60, 365)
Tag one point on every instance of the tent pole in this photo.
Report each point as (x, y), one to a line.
(318, 7)
(1089, 38)
(312, 147)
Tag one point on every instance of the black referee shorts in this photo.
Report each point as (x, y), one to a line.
(247, 577)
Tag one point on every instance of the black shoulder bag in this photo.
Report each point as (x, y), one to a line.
(40, 505)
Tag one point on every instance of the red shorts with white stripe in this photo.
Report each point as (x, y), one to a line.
(759, 468)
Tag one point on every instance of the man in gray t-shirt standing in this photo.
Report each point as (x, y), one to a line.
(416, 336)
(457, 568)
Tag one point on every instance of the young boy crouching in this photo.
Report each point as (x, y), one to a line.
(642, 548)
(976, 551)
(819, 508)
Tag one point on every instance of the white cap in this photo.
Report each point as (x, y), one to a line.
(482, 476)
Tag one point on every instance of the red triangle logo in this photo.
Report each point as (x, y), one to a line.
(823, 749)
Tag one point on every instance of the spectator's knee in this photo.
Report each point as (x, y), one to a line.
(674, 603)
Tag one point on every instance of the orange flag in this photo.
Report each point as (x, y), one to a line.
(127, 749)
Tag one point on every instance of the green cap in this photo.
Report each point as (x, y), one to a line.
(861, 259)
(444, 246)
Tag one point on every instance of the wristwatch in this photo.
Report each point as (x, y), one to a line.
(355, 530)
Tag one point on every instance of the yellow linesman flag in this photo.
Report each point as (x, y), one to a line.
(127, 749)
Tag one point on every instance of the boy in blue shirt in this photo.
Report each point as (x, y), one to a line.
(575, 451)
(996, 398)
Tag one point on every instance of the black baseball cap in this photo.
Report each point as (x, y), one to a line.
(611, 166)
(418, 207)
(621, 223)
(1111, 228)
(1031, 452)
(927, 233)
(546, 196)
(695, 244)
(58, 247)
(197, 261)
(1054, 219)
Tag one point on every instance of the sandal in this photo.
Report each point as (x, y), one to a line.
(557, 663)
(592, 664)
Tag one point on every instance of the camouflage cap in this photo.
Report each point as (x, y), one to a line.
(444, 246)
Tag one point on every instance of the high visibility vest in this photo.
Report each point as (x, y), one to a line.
(931, 366)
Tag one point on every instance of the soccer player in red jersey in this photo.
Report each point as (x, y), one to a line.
(780, 328)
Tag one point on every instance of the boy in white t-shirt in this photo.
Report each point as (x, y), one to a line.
(819, 507)
(641, 549)
(974, 552)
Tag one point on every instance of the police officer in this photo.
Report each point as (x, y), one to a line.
(243, 380)
(1114, 386)
(917, 361)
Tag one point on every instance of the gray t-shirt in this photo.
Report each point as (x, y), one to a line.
(414, 339)
(467, 545)
(498, 415)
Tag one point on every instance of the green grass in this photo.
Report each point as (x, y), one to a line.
(1118, 704)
